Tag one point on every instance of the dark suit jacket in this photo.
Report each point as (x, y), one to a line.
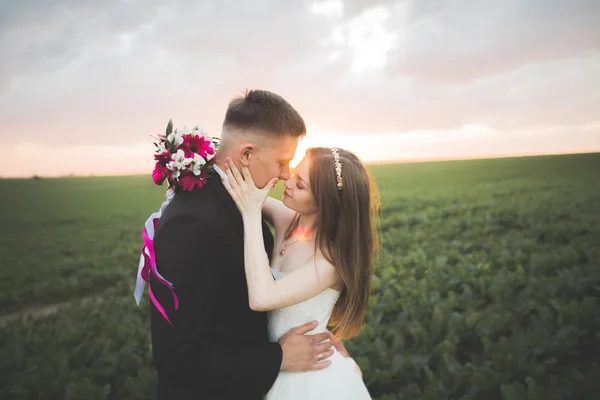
(219, 347)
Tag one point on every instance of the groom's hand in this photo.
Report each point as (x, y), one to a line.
(302, 352)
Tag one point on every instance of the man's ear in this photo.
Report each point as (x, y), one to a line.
(245, 154)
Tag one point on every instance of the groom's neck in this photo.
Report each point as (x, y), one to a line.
(221, 159)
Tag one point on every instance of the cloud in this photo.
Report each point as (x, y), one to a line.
(79, 73)
(127, 60)
(461, 41)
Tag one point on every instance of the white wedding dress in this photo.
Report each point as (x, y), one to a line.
(338, 381)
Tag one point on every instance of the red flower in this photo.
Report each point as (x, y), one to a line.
(196, 144)
(201, 180)
(189, 181)
(159, 174)
(163, 158)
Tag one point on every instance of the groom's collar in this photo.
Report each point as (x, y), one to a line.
(219, 171)
(223, 175)
(227, 201)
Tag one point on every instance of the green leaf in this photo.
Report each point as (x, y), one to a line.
(170, 127)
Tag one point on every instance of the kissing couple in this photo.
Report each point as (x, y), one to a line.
(245, 315)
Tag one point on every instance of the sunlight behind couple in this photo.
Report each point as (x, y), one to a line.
(321, 137)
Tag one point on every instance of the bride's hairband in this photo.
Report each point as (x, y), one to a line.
(338, 168)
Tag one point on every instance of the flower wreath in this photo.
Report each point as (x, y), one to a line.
(184, 157)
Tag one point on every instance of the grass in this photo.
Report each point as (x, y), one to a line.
(507, 251)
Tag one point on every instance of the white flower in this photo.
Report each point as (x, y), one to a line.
(184, 131)
(161, 148)
(187, 161)
(176, 136)
(177, 163)
(209, 156)
(172, 136)
(179, 156)
(198, 131)
(197, 164)
(177, 140)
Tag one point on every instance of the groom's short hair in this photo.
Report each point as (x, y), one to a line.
(265, 112)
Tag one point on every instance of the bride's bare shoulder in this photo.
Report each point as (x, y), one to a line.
(327, 272)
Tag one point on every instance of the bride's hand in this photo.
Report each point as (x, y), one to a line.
(240, 185)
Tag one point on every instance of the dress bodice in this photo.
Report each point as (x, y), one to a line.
(317, 308)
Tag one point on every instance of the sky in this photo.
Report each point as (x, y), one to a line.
(85, 83)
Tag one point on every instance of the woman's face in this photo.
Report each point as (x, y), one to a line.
(298, 194)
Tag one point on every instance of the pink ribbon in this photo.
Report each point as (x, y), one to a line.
(147, 265)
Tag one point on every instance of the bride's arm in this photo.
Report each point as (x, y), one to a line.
(265, 293)
(277, 214)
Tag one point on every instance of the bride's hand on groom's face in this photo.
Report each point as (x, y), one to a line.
(240, 185)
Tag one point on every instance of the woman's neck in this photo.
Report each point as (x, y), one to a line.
(306, 226)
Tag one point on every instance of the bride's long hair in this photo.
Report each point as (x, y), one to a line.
(346, 231)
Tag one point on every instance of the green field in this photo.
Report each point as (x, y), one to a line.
(487, 288)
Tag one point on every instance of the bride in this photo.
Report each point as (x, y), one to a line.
(322, 263)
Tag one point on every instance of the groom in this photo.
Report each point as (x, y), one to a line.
(218, 347)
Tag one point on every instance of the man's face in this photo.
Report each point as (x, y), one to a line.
(273, 160)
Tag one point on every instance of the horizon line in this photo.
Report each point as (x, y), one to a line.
(377, 162)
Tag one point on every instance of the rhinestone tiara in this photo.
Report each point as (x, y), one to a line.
(338, 168)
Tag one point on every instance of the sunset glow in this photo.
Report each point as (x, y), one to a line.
(301, 233)
(391, 81)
